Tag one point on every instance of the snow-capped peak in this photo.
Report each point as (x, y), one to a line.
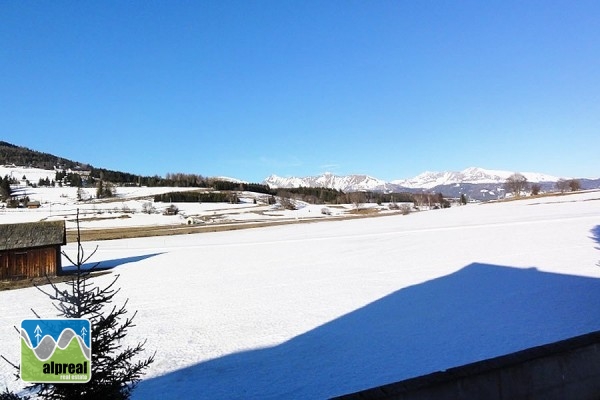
(428, 180)
(425, 180)
(329, 180)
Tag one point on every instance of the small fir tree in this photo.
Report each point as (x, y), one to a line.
(114, 373)
(5, 189)
(8, 395)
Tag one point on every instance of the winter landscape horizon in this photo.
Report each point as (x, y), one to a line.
(306, 199)
(426, 180)
(332, 302)
(277, 311)
(314, 310)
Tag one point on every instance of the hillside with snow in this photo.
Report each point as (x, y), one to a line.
(23, 174)
(311, 311)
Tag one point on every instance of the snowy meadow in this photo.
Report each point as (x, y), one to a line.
(310, 311)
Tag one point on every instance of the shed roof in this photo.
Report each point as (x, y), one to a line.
(32, 234)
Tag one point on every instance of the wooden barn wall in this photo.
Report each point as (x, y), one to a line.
(4, 265)
(29, 263)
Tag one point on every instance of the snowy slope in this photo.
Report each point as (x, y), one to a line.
(316, 310)
(33, 175)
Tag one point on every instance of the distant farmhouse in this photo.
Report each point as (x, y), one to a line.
(31, 250)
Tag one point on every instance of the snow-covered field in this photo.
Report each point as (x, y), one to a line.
(126, 209)
(310, 311)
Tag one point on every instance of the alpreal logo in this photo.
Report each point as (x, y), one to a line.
(56, 350)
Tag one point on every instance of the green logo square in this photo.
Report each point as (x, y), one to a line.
(56, 350)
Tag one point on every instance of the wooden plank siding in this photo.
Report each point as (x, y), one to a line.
(30, 263)
(31, 250)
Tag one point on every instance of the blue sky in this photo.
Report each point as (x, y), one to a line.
(295, 88)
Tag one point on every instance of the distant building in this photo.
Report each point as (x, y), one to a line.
(33, 204)
(79, 171)
(31, 250)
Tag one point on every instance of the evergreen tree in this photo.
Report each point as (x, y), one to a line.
(8, 395)
(114, 373)
(99, 189)
(104, 190)
(80, 194)
(5, 190)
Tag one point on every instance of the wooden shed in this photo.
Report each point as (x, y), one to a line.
(31, 250)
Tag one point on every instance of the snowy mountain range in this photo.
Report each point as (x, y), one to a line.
(426, 180)
(331, 181)
(429, 180)
(479, 183)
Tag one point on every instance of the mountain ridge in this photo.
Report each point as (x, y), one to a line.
(425, 180)
(475, 175)
(477, 182)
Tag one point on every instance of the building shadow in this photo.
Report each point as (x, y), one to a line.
(478, 312)
(107, 264)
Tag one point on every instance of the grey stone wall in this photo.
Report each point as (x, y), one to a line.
(569, 369)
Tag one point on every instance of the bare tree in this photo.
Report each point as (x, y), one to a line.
(568, 184)
(426, 199)
(148, 208)
(80, 194)
(575, 185)
(356, 198)
(285, 199)
(535, 189)
(420, 199)
(233, 198)
(562, 185)
(405, 209)
(516, 184)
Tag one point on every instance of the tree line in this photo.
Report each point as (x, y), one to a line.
(11, 154)
(241, 186)
(312, 195)
(195, 197)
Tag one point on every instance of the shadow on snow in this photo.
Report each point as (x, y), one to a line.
(596, 234)
(108, 264)
(478, 312)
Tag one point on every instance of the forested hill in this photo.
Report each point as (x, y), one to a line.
(22, 156)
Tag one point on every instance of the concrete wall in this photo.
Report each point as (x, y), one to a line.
(569, 369)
